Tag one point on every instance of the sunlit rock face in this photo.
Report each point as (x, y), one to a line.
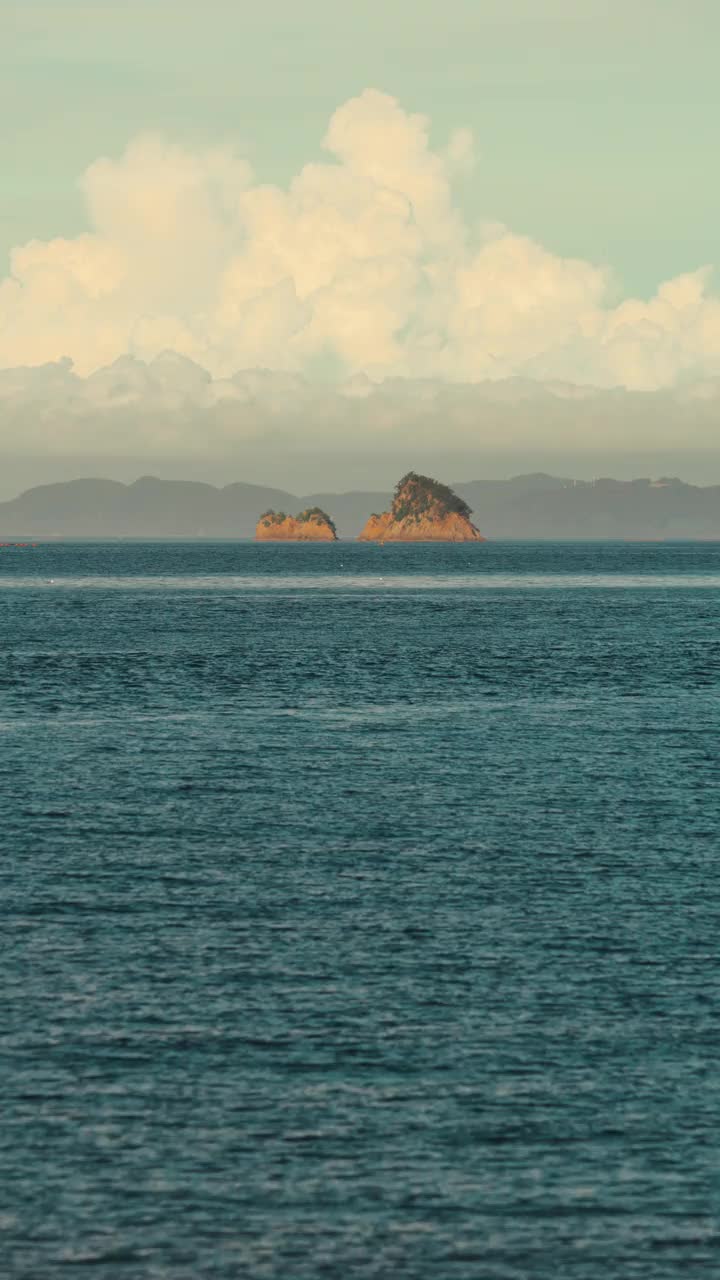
(423, 510)
(311, 525)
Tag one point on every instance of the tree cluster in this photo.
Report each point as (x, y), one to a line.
(417, 496)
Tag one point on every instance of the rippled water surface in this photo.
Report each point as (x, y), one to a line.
(360, 911)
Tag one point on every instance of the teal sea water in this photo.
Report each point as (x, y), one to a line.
(360, 912)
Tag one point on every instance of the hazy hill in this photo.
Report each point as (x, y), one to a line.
(533, 506)
(542, 506)
(149, 508)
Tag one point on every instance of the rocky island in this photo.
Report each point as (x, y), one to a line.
(311, 525)
(423, 510)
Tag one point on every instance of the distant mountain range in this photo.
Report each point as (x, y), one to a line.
(529, 506)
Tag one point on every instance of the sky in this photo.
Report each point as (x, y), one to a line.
(459, 191)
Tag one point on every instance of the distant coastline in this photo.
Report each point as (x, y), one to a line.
(538, 506)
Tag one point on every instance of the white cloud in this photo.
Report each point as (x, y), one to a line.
(364, 260)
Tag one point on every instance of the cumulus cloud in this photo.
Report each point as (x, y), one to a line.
(364, 260)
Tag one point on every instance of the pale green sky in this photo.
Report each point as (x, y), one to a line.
(595, 123)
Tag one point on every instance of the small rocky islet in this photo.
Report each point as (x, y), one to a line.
(422, 510)
(311, 525)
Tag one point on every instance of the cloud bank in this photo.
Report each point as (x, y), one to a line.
(171, 407)
(363, 267)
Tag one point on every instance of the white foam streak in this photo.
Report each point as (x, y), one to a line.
(349, 583)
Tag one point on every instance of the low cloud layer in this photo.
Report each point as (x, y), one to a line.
(172, 407)
(362, 269)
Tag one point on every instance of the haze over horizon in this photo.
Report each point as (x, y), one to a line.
(480, 260)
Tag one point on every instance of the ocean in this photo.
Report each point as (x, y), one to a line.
(360, 911)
